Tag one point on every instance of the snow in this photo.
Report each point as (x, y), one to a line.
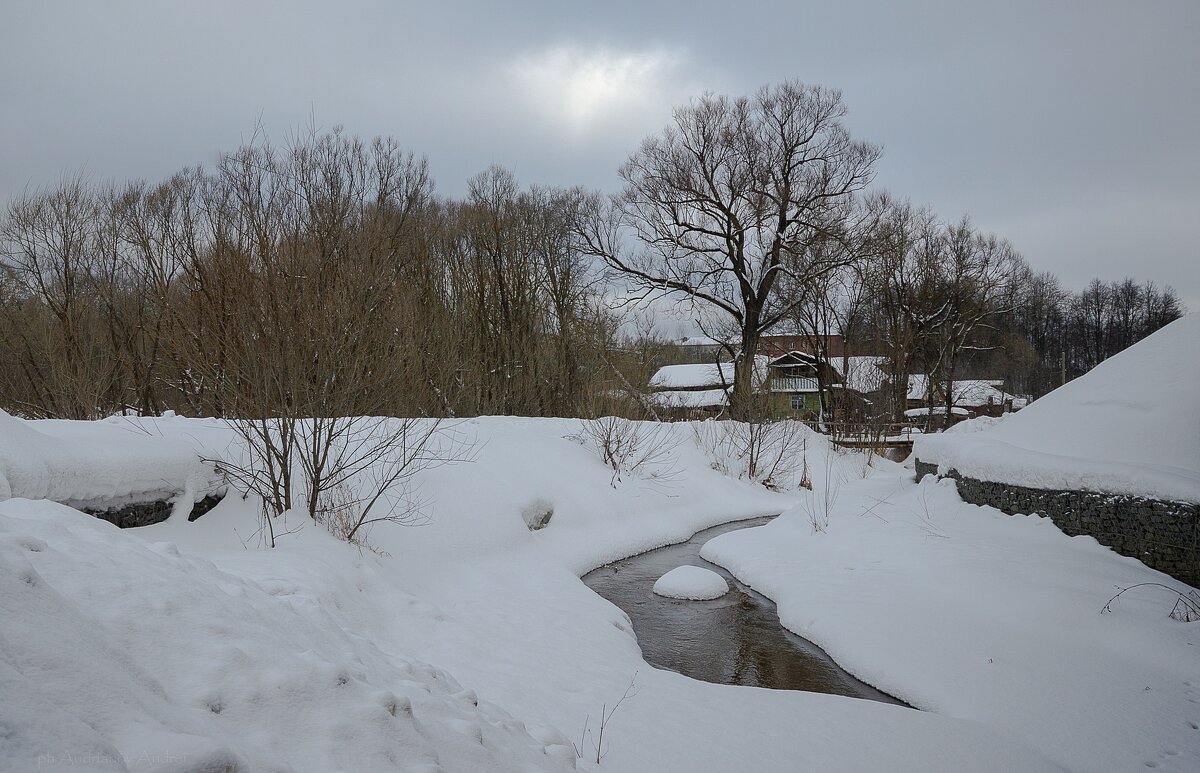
(913, 413)
(132, 655)
(691, 582)
(971, 393)
(698, 341)
(968, 612)
(695, 376)
(698, 398)
(702, 375)
(1129, 426)
(96, 464)
(470, 644)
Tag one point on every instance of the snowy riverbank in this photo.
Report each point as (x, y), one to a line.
(971, 613)
(471, 644)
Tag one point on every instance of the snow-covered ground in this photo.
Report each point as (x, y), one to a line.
(96, 464)
(1131, 425)
(470, 643)
(968, 612)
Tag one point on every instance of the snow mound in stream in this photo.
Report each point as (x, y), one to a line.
(691, 582)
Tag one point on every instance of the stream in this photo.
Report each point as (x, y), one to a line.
(735, 639)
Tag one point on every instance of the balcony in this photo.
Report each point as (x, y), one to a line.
(793, 384)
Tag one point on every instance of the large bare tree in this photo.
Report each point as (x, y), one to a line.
(729, 198)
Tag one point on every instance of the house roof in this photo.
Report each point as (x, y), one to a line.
(969, 393)
(703, 398)
(912, 413)
(918, 386)
(804, 357)
(975, 393)
(696, 376)
(704, 375)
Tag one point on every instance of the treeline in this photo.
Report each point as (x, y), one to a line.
(758, 213)
(947, 300)
(328, 278)
(322, 278)
(1068, 334)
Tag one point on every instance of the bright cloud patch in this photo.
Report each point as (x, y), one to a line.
(582, 87)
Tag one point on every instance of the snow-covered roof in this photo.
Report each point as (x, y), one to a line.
(702, 375)
(703, 398)
(918, 386)
(695, 376)
(969, 393)
(913, 413)
(697, 341)
(972, 393)
(1129, 426)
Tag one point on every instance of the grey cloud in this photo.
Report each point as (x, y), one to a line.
(1067, 127)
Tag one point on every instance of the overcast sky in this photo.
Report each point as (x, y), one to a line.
(1071, 128)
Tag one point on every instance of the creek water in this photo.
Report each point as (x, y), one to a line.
(735, 639)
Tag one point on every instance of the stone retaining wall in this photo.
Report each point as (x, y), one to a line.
(146, 513)
(1163, 535)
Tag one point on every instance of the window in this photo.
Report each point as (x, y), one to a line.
(797, 402)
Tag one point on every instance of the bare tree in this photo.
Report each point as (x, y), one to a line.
(892, 277)
(969, 278)
(49, 242)
(729, 198)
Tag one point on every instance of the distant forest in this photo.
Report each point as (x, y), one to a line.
(327, 277)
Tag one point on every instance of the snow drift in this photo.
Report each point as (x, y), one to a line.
(96, 465)
(123, 655)
(1129, 426)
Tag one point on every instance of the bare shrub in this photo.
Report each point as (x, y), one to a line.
(338, 513)
(377, 459)
(1185, 610)
(259, 463)
(820, 503)
(631, 448)
(805, 480)
(866, 460)
(769, 452)
(352, 472)
(606, 715)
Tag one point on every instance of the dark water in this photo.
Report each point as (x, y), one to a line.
(736, 639)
